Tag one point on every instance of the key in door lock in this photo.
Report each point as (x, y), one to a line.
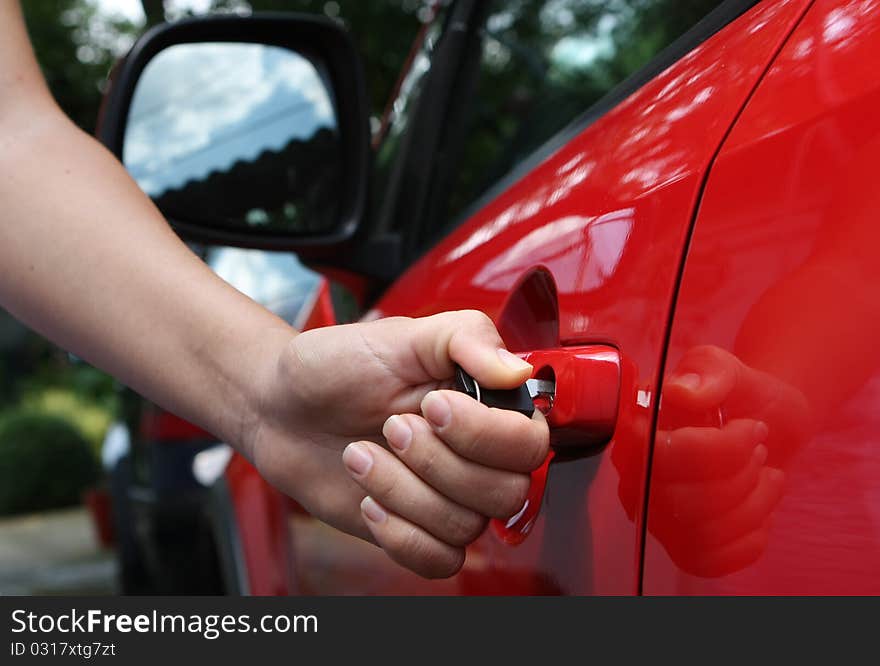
(523, 399)
(577, 389)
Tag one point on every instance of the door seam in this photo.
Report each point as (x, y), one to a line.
(643, 531)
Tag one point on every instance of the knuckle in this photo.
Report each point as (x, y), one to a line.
(425, 456)
(444, 563)
(406, 545)
(478, 318)
(427, 465)
(472, 436)
(411, 544)
(540, 444)
(384, 484)
(535, 440)
(509, 496)
(426, 558)
(464, 527)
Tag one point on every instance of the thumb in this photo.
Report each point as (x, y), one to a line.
(469, 338)
(704, 378)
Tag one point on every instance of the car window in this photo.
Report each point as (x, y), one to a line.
(399, 115)
(543, 64)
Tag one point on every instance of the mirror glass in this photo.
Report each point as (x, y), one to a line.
(237, 136)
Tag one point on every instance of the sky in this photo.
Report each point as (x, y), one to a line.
(132, 9)
(200, 108)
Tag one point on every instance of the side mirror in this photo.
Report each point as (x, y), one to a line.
(247, 131)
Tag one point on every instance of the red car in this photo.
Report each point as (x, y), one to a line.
(669, 207)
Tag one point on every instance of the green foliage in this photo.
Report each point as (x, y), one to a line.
(44, 463)
(76, 47)
(383, 31)
(90, 415)
(545, 62)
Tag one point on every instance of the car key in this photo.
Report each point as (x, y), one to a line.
(520, 399)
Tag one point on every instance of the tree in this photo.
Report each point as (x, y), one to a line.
(383, 30)
(76, 47)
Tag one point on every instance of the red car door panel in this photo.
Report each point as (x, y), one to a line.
(600, 228)
(778, 316)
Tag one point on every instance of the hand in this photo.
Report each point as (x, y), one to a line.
(710, 386)
(725, 430)
(713, 495)
(335, 396)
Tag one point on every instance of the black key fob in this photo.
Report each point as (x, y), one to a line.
(518, 399)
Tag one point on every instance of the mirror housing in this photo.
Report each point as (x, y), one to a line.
(335, 63)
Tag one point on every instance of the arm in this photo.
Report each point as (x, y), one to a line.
(87, 260)
(372, 447)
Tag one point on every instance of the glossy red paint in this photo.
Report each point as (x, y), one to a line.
(777, 319)
(261, 524)
(262, 512)
(583, 411)
(606, 218)
(321, 309)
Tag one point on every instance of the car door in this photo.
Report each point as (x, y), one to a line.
(778, 316)
(555, 191)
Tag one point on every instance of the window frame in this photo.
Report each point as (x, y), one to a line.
(724, 14)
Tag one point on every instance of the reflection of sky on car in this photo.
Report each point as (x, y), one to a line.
(200, 108)
(276, 280)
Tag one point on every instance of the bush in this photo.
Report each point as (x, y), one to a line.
(90, 417)
(45, 463)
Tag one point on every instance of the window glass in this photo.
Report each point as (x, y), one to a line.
(399, 115)
(545, 62)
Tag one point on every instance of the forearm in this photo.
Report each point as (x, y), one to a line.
(87, 260)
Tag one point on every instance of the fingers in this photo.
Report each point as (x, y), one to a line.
(726, 559)
(469, 338)
(703, 378)
(748, 515)
(494, 437)
(409, 545)
(703, 454)
(732, 541)
(394, 486)
(693, 502)
(490, 492)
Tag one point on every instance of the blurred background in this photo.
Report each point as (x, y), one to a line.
(56, 411)
(73, 443)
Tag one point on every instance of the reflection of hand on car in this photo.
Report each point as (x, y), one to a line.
(336, 395)
(724, 431)
(712, 495)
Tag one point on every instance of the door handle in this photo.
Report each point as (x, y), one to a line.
(576, 388)
(582, 410)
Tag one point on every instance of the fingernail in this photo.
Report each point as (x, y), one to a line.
(373, 511)
(761, 431)
(398, 433)
(436, 409)
(512, 361)
(357, 459)
(690, 381)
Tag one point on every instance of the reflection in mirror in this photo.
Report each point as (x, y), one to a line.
(236, 136)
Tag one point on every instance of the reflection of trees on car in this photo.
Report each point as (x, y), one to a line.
(271, 191)
(572, 52)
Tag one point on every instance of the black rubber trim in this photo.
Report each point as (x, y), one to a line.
(230, 552)
(411, 181)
